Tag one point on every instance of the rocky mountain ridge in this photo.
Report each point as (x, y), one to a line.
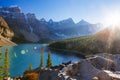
(28, 28)
(5, 31)
(6, 34)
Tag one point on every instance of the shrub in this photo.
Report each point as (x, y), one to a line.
(30, 76)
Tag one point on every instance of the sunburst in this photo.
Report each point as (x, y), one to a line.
(113, 19)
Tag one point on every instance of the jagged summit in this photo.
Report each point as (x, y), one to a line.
(69, 20)
(83, 22)
(40, 29)
(31, 15)
(11, 9)
(50, 21)
(12, 6)
(42, 20)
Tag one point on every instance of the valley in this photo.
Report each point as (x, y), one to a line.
(107, 40)
(54, 42)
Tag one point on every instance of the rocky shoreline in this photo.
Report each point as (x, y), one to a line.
(6, 42)
(101, 66)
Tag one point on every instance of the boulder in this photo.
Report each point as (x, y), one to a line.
(102, 63)
(98, 67)
(108, 75)
(48, 74)
(83, 70)
(117, 61)
(102, 75)
(95, 78)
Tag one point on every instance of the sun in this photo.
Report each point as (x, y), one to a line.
(113, 19)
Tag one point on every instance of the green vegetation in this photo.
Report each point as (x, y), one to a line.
(19, 39)
(49, 61)
(85, 44)
(42, 57)
(1, 67)
(30, 67)
(4, 65)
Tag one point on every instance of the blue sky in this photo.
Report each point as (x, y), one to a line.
(91, 10)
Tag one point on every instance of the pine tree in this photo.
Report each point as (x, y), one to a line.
(42, 57)
(49, 61)
(6, 64)
(1, 67)
(41, 60)
(30, 67)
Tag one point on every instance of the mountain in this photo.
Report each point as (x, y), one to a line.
(83, 22)
(6, 42)
(6, 34)
(27, 28)
(106, 40)
(5, 31)
(68, 29)
(88, 28)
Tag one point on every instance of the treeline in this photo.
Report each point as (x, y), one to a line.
(4, 65)
(49, 60)
(33, 75)
(86, 45)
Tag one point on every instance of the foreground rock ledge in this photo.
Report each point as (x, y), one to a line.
(98, 67)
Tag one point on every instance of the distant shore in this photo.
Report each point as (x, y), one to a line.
(64, 50)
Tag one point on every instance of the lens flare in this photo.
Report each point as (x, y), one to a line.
(113, 19)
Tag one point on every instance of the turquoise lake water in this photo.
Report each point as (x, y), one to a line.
(21, 56)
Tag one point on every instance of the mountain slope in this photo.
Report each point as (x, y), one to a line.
(68, 29)
(6, 34)
(5, 31)
(27, 28)
(107, 40)
(6, 42)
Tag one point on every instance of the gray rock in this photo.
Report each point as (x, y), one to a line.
(108, 75)
(115, 59)
(83, 70)
(103, 76)
(103, 63)
(95, 78)
(93, 68)
(48, 74)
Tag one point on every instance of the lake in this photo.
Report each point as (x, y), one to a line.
(21, 56)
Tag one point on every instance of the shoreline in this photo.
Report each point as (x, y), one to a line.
(63, 50)
(6, 42)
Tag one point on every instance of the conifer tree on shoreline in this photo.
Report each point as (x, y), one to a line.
(6, 64)
(1, 67)
(42, 57)
(30, 67)
(49, 61)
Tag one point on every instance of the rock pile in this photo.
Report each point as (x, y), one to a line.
(98, 67)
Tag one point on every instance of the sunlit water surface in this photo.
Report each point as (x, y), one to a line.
(21, 56)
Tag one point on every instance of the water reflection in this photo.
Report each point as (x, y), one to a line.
(21, 56)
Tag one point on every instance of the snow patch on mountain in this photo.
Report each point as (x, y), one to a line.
(26, 18)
